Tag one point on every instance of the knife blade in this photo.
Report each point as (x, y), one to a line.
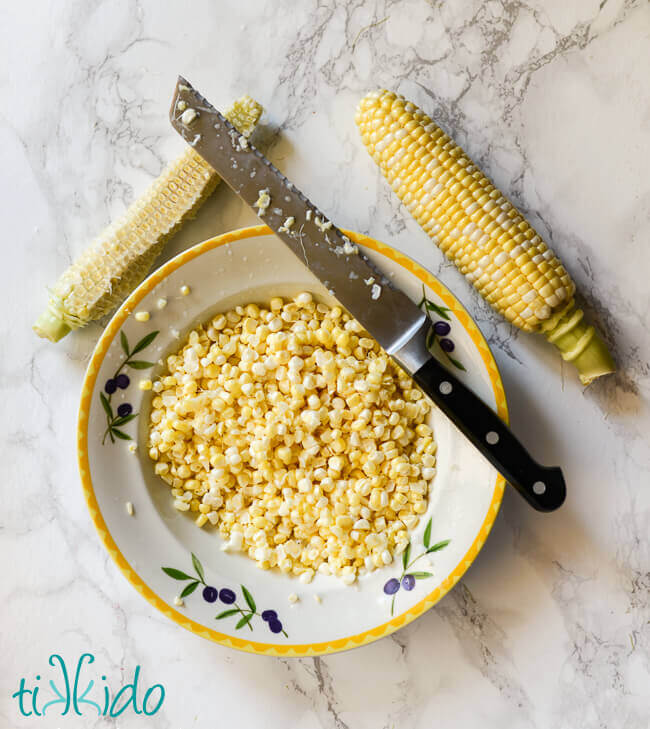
(390, 316)
(385, 311)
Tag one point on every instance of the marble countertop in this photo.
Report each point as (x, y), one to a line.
(550, 627)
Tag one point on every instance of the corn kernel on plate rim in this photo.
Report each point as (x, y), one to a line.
(204, 625)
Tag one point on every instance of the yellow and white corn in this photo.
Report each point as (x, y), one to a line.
(290, 430)
(477, 228)
(119, 259)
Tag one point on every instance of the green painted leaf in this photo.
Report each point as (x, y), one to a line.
(421, 575)
(438, 546)
(440, 310)
(176, 574)
(431, 339)
(456, 363)
(124, 342)
(249, 599)
(139, 364)
(244, 621)
(227, 613)
(144, 342)
(106, 405)
(122, 420)
(405, 556)
(120, 434)
(198, 567)
(426, 539)
(189, 589)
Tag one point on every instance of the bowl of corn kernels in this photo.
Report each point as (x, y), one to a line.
(262, 471)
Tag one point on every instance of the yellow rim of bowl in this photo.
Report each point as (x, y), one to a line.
(306, 649)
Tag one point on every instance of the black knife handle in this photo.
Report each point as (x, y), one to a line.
(542, 487)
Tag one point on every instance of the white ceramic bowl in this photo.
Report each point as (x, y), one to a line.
(237, 268)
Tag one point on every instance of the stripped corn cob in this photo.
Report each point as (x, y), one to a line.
(478, 229)
(115, 263)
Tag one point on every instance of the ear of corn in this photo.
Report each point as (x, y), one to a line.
(117, 261)
(478, 229)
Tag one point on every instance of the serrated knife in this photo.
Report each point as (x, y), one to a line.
(393, 319)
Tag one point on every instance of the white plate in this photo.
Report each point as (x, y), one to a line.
(236, 268)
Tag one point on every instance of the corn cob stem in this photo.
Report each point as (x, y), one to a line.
(117, 261)
(478, 229)
(579, 344)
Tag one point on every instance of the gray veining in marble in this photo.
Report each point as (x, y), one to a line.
(550, 628)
